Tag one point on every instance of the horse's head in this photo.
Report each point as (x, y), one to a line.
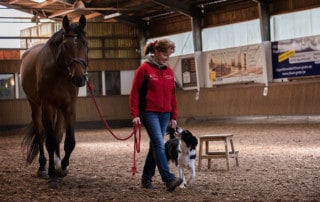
(75, 50)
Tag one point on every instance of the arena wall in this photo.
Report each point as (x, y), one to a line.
(289, 98)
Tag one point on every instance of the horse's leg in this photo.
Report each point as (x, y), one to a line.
(69, 145)
(69, 142)
(42, 173)
(40, 138)
(59, 131)
(51, 142)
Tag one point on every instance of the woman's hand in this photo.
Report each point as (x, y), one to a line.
(136, 121)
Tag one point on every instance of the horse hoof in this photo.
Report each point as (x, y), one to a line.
(61, 173)
(42, 174)
(54, 184)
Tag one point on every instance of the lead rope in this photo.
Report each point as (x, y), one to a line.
(136, 145)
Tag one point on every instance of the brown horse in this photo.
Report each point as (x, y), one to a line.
(51, 75)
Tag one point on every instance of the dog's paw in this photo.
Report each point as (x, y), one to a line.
(183, 185)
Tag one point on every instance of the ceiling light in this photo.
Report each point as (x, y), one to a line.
(35, 19)
(112, 15)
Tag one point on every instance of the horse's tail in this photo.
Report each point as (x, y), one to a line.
(30, 143)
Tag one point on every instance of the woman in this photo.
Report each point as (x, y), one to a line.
(153, 103)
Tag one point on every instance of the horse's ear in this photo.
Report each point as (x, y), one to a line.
(65, 22)
(82, 22)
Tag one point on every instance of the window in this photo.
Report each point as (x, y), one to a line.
(112, 82)
(295, 25)
(234, 35)
(95, 78)
(7, 86)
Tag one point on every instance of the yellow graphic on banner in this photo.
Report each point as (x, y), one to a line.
(286, 55)
(213, 76)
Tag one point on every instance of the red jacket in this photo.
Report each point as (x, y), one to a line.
(153, 90)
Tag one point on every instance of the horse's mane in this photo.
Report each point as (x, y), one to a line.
(56, 38)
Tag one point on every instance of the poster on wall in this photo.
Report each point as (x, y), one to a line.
(189, 72)
(185, 71)
(296, 57)
(234, 65)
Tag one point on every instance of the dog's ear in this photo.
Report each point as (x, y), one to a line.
(188, 138)
(195, 141)
(189, 132)
(171, 132)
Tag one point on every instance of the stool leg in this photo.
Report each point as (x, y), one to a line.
(227, 152)
(207, 151)
(237, 160)
(200, 154)
(234, 152)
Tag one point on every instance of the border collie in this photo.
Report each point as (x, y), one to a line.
(181, 149)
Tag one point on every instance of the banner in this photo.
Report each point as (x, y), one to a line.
(296, 57)
(234, 65)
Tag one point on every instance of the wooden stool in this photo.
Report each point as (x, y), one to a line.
(216, 155)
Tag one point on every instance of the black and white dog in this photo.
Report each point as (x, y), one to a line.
(181, 149)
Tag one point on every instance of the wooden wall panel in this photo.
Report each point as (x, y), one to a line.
(286, 6)
(223, 17)
(13, 66)
(14, 112)
(9, 54)
(9, 66)
(291, 98)
(294, 98)
(169, 26)
(113, 64)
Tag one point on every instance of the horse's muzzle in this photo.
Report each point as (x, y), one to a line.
(79, 81)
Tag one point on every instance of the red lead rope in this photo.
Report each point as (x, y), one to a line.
(136, 146)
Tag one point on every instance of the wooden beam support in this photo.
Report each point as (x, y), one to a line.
(264, 15)
(196, 32)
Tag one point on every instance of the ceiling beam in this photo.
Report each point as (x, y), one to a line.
(61, 13)
(88, 16)
(132, 20)
(179, 7)
(14, 1)
(45, 3)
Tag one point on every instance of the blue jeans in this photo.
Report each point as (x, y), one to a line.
(156, 124)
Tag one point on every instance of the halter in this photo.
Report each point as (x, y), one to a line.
(81, 61)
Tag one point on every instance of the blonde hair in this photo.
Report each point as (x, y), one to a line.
(162, 45)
